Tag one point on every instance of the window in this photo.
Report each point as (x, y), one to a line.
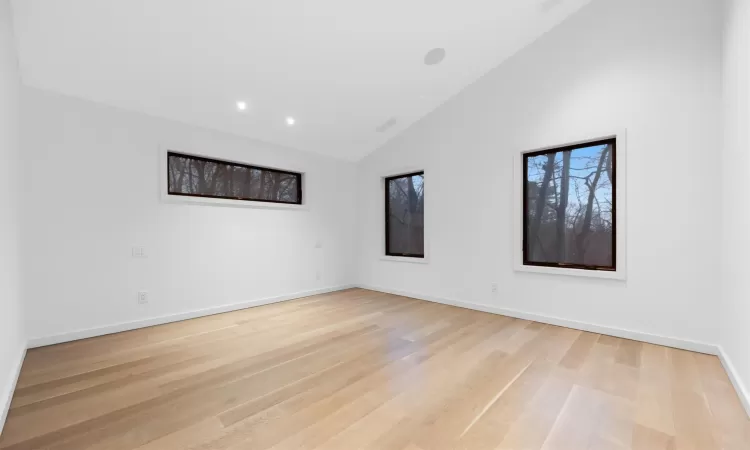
(196, 176)
(569, 207)
(404, 215)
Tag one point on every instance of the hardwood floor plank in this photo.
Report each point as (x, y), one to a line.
(691, 414)
(654, 398)
(629, 353)
(645, 438)
(579, 351)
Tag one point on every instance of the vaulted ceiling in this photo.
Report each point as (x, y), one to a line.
(352, 74)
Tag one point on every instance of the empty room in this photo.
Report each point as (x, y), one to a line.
(406, 225)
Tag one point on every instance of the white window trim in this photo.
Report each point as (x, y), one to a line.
(620, 212)
(184, 199)
(406, 259)
(403, 259)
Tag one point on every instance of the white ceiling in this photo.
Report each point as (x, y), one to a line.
(341, 68)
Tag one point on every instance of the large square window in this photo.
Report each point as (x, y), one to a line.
(569, 208)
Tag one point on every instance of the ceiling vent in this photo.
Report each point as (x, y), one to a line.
(386, 125)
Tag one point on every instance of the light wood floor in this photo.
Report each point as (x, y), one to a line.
(360, 369)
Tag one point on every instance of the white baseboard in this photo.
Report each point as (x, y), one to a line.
(683, 344)
(739, 386)
(7, 395)
(127, 326)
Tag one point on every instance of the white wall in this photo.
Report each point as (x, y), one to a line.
(651, 67)
(735, 320)
(12, 340)
(92, 192)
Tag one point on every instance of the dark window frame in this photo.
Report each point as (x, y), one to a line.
(298, 175)
(525, 161)
(388, 216)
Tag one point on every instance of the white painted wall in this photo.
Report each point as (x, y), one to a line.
(651, 67)
(12, 340)
(735, 320)
(92, 192)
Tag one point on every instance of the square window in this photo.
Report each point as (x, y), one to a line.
(569, 208)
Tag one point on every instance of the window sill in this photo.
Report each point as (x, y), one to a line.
(405, 259)
(601, 274)
(232, 203)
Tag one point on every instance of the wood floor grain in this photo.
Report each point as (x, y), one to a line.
(364, 370)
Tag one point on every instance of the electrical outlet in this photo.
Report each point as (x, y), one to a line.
(138, 252)
(318, 276)
(142, 297)
(494, 288)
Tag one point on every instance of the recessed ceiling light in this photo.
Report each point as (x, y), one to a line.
(290, 121)
(241, 106)
(434, 56)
